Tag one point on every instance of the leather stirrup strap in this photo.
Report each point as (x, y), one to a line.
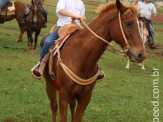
(72, 75)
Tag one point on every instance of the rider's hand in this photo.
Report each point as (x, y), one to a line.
(141, 15)
(81, 17)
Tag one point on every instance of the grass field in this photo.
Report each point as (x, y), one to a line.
(124, 95)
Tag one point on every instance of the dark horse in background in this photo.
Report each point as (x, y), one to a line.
(19, 12)
(35, 22)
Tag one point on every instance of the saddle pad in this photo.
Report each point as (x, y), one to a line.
(61, 43)
(10, 10)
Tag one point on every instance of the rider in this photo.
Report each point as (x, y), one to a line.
(147, 9)
(66, 9)
(28, 9)
(2, 3)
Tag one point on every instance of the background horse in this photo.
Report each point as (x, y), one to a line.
(35, 22)
(146, 37)
(82, 51)
(19, 12)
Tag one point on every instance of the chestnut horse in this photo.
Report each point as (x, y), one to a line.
(19, 12)
(82, 51)
(35, 22)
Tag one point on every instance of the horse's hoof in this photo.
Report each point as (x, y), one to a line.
(18, 40)
(127, 68)
(143, 69)
(28, 47)
(33, 50)
(139, 64)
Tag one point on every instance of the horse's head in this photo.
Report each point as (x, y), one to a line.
(129, 25)
(36, 10)
(123, 28)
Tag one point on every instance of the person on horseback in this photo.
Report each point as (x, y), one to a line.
(65, 10)
(147, 9)
(28, 9)
(2, 3)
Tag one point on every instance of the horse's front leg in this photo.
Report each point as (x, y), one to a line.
(28, 45)
(72, 103)
(51, 92)
(63, 103)
(142, 67)
(82, 104)
(128, 64)
(36, 37)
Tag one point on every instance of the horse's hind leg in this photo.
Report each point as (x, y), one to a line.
(21, 35)
(51, 92)
(72, 103)
(82, 104)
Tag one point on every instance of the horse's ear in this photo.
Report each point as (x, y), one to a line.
(120, 6)
(135, 3)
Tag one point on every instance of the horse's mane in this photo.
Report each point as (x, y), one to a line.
(111, 5)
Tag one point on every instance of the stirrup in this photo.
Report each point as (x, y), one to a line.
(35, 73)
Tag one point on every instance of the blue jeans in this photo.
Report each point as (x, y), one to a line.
(49, 42)
(2, 3)
(151, 31)
(27, 10)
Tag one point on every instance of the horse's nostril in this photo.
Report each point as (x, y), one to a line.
(140, 56)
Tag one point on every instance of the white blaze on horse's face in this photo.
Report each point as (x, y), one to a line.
(137, 49)
(35, 15)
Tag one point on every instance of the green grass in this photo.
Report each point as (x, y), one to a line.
(124, 96)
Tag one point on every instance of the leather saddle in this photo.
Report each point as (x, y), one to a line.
(7, 10)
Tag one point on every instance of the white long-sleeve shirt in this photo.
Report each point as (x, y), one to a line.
(74, 6)
(147, 9)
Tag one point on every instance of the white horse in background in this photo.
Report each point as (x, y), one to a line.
(144, 34)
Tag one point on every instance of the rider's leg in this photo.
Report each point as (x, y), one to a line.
(45, 15)
(2, 3)
(152, 34)
(48, 43)
(26, 12)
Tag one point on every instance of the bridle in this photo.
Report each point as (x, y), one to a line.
(125, 50)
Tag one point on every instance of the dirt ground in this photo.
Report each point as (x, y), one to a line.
(158, 17)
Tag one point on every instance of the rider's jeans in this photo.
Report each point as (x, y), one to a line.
(2, 3)
(152, 32)
(48, 43)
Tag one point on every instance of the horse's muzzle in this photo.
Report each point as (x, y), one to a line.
(136, 58)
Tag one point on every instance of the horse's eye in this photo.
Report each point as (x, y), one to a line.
(129, 24)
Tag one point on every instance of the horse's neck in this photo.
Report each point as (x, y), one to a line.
(92, 47)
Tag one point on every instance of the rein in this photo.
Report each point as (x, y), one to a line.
(125, 50)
